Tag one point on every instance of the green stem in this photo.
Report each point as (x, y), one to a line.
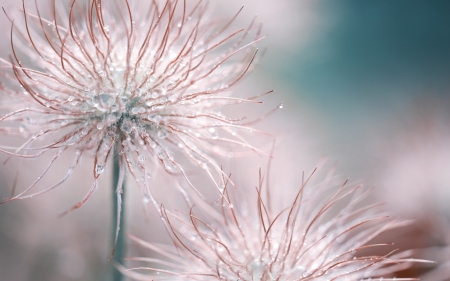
(119, 252)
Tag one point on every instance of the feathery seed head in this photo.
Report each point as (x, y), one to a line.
(320, 234)
(147, 79)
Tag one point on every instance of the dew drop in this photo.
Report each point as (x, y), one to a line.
(100, 125)
(158, 92)
(160, 152)
(155, 118)
(84, 132)
(141, 158)
(99, 168)
(162, 134)
(126, 127)
(72, 140)
(84, 107)
(107, 99)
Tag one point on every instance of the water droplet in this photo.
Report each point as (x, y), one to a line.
(146, 198)
(70, 98)
(99, 168)
(281, 106)
(158, 92)
(100, 125)
(141, 158)
(162, 134)
(155, 118)
(84, 107)
(126, 127)
(106, 99)
(72, 140)
(160, 152)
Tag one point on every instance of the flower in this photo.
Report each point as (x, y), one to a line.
(323, 232)
(148, 80)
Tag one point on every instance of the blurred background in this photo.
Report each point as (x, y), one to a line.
(365, 84)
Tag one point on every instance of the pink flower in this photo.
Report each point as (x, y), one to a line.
(145, 80)
(323, 232)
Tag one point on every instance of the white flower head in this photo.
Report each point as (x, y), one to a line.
(148, 79)
(322, 233)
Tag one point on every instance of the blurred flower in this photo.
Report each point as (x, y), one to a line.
(147, 79)
(323, 232)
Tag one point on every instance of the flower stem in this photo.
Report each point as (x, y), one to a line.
(118, 186)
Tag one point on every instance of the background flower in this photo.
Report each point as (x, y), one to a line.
(324, 232)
